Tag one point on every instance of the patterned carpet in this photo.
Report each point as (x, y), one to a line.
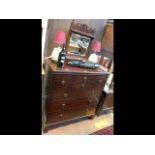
(105, 131)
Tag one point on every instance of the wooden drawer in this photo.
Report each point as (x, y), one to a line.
(69, 114)
(80, 86)
(60, 83)
(83, 78)
(70, 95)
(59, 96)
(70, 104)
(92, 82)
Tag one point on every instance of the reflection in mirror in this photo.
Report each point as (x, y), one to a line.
(79, 39)
(78, 44)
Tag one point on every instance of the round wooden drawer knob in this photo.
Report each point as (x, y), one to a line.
(62, 83)
(65, 95)
(100, 81)
(61, 115)
(82, 85)
(63, 105)
(85, 78)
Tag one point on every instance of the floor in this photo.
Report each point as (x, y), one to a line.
(84, 126)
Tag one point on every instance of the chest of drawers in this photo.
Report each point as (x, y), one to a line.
(72, 93)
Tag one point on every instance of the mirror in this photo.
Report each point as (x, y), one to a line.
(78, 44)
(79, 39)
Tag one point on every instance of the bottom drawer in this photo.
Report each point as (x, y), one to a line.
(69, 104)
(69, 114)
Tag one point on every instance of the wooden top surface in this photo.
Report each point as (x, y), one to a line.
(71, 69)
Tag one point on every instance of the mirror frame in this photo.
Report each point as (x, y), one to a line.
(83, 30)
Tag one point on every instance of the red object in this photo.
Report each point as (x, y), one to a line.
(60, 38)
(96, 46)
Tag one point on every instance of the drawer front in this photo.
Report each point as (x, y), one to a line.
(70, 95)
(69, 114)
(82, 82)
(70, 104)
(83, 78)
(88, 82)
(60, 83)
(59, 96)
(80, 86)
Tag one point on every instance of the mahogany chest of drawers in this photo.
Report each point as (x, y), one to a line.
(72, 92)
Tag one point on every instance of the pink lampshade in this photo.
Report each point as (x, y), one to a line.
(60, 38)
(96, 46)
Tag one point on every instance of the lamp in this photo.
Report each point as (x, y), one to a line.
(60, 39)
(96, 48)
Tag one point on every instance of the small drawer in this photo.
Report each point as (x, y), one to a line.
(69, 96)
(83, 78)
(61, 85)
(80, 86)
(59, 96)
(59, 82)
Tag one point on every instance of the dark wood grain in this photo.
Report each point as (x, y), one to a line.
(67, 114)
(70, 104)
(78, 94)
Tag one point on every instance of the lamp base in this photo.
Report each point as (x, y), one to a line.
(93, 58)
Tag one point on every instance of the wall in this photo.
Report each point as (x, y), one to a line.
(55, 25)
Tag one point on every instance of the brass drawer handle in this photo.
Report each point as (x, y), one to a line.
(61, 115)
(65, 95)
(62, 83)
(82, 85)
(63, 105)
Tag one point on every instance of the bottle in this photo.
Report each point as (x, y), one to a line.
(61, 57)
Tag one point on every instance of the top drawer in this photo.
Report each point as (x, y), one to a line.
(83, 78)
(84, 82)
(60, 82)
